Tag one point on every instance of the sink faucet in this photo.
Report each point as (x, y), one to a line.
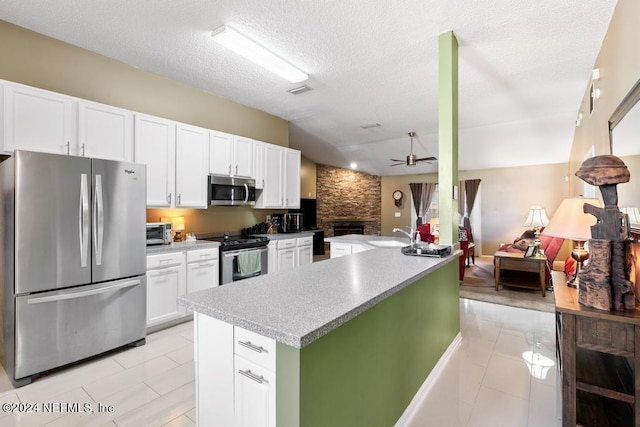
(410, 234)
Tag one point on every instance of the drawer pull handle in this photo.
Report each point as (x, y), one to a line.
(257, 349)
(251, 376)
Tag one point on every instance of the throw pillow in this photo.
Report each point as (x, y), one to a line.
(523, 244)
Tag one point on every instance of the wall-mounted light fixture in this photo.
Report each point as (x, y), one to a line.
(579, 119)
(252, 51)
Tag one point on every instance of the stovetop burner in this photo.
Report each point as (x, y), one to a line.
(234, 244)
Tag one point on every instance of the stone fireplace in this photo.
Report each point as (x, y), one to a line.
(348, 202)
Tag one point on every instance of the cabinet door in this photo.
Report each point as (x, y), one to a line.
(258, 163)
(255, 395)
(243, 157)
(273, 174)
(155, 146)
(202, 275)
(304, 255)
(37, 120)
(192, 166)
(272, 257)
(220, 162)
(163, 288)
(105, 132)
(286, 259)
(292, 179)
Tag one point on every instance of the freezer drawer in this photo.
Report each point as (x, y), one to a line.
(60, 327)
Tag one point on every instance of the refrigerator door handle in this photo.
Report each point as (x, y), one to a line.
(84, 220)
(98, 221)
(72, 294)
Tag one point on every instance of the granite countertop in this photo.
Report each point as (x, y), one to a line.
(296, 307)
(181, 246)
(366, 239)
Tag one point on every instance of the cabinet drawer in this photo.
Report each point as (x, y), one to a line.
(287, 243)
(196, 255)
(165, 260)
(603, 335)
(255, 348)
(304, 241)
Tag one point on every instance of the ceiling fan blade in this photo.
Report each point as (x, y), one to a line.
(426, 159)
(396, 160)
(397, 164)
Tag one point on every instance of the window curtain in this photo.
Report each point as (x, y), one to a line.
(471, 187)
(461, 199)
(422, 194)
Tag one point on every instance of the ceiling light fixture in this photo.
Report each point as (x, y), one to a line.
(251, 50)
(353, 165)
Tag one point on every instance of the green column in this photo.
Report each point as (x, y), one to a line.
(448, 137)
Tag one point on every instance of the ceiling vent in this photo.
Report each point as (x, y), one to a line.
(370, 125)
(300, 89)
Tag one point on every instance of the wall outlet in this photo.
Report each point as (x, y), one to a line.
(397, 214)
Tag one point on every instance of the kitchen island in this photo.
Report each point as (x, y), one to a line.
(342, 342)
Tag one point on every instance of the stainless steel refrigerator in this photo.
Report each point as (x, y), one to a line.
(73, 260)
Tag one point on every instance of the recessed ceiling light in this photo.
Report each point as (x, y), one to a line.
(353, 165)
(251, 50)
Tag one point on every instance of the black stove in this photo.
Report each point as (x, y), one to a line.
(232, 244)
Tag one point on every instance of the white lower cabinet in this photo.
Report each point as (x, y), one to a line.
(255, 395)
(202, 269)
(235, 375)
(286, 254)
(172, 274)
(304, 251)
(166, 280)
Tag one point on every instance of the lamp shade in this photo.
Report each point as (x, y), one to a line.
(569, 220)
(537, 217)
(634, 215)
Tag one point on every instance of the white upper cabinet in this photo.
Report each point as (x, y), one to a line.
(37, 120)
(155, 146)
(281, 178)
(104, 132)
(258, 163)
(192, 166)
(272, 195)
(231, 155)
(292, 179)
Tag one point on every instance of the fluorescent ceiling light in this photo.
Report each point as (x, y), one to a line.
(251, 50)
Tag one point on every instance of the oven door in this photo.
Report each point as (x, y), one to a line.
(231, 191)
(234, 268)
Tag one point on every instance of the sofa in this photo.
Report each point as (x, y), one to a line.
(550, 245)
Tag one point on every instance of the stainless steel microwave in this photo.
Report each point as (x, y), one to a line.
(228, 191)
(159, 233)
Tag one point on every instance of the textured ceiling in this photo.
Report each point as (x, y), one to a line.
(524, 67)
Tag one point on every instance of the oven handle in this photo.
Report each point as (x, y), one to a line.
(229, 254)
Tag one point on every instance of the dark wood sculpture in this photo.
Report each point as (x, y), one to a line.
(604, 283)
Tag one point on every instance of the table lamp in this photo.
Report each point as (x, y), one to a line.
(177, 224)
(570, 222)
(634, 215)
(537, 218)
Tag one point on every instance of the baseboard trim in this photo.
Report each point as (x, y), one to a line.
(428, 383)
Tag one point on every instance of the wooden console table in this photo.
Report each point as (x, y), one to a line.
(599, 355)
(517, 261)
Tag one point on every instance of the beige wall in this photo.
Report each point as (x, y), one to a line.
(308, 174)
(619, 64)
(35, 60)
(505, 197)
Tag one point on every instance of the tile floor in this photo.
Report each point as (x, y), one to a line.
(487, 383)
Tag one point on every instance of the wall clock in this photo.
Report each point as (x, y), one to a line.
(397, 198)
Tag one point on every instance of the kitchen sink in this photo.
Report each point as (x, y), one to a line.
(387, 243)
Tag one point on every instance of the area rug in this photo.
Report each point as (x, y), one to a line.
(479, 284)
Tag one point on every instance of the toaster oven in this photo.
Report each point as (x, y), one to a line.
(159, 233)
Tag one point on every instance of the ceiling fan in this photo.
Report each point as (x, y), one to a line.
(412, 159)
